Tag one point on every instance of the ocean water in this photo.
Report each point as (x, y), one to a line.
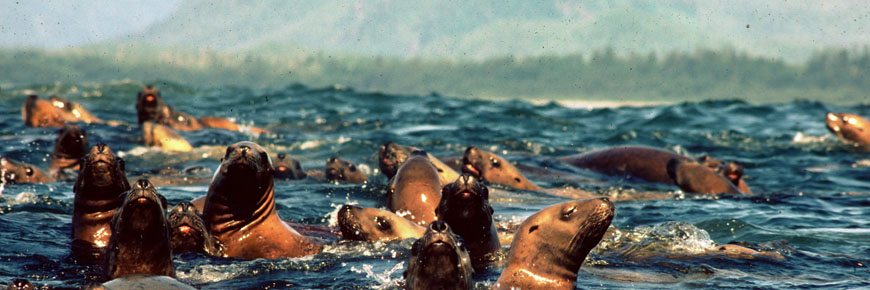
(811, 204)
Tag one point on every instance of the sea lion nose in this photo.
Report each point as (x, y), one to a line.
(332, 159)
(438, 226)
(281, 155)
(143, 183)
(244, 149)
(101, 147)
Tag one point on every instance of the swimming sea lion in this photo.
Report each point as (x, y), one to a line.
(849, 128)
(492, 168)
(392, 155)
(465, 207)
(140, 235)
(733, 171)
(101, 180)
(19, 284)
(287, 167)
(73, 112)
(69, 148)
(240, 209)
(646, 163)
(20, 172)
(415, 190)
(372, 224)
(694, 177)
(340, 170)
(40, 113)
(164, 137)
(438, 260)
(551, 245)
(150, 107)
(188, 233)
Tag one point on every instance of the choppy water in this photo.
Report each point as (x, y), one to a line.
(812, 202)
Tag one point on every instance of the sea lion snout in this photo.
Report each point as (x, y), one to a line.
(438, 226)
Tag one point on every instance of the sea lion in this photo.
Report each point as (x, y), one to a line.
(646, 163)
(101, 180)
(415, 190)
(490, 167)
(340, 170)
(150, 107)
(240, 209)
(465, 207)
(143, 281)
(69, 148)
(287, 167)
(372, 224)
(551, 245)
(392, 155)
(40, 113)
(73, 112)
(164, 137)
(694, 177)
(139, 243)
(438, 260)
(849, 128)
(733, 171)
(19, 284)
(188, 233)
(20, 172)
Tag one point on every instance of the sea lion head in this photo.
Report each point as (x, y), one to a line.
(465, 205)
(372, 224)
(140, 235)
(390, 158)
(71, 144)
(849, 127)
(712, 162)
(287, 167)
(492, 168)
(102, 169)
(733, 171)
(40, 113)
(242, 187)
(439, 260)
(555, 240)
(694, 177)
(340, 170)
(188, 231)
(19, 284)
(19, 172)
(149, 104)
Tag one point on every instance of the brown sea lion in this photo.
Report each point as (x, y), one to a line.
(188, 233)
(158, 135)
(733, 171)
(150, 107)
(73, 112)
(849, 128)
(19, 284)
(465, 207)
(343, 171)
(101, 180)
(139, 243)
(392, 155)
(694, 177)
(240, 209)
(415, 190)
(40, 113)
(20, 172)
(646, 163)
(372, 224)
(438, 260)
(492, 168)
(551, 245)
(287, 167)
(69, 148)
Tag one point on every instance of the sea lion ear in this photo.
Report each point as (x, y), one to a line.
(414, 246)
(491, 210)
(122, 164)
(162, 200)
(672, 168)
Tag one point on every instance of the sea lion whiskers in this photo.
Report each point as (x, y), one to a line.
(590, 227)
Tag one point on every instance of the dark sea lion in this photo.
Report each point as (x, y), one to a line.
(240, 209)
(101, 180)
(465, 207)
(694, 177)
(392, 155)
(551, 245)
(287, 167)
(492, 168)
(40, 113)
(733, 171)
(150, 107)
(646, 163)
(19, 284)
(849, 128)
(372, 224)
(438, 260)
(162, 136)
(73, 112)
(415, 190)
(69, 148)
(20, 172)
(188, 232)
(340, 170)
(140, 235)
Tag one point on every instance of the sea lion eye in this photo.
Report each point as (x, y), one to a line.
(352, 168)
(383, 224)
(568, 212)
(29, 171)
(494, 162)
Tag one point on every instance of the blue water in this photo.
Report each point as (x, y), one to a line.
(812, 199)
